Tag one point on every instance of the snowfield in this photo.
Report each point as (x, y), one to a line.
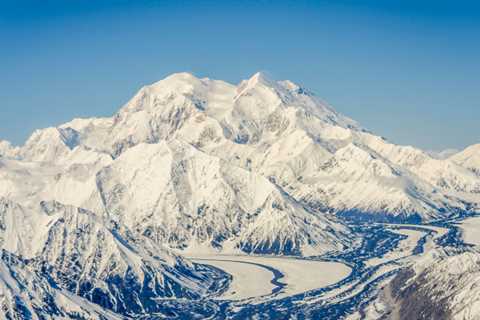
(258, 276)
(248, 279)
(471, 230)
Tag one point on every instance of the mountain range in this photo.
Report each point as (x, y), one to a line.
(97, 212)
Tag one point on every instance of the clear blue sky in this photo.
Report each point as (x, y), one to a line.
(408, 70)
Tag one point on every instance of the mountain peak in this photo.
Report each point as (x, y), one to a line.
(7, 149)
(472, 148)
(181, 82)
(185, 76)
(259, 77)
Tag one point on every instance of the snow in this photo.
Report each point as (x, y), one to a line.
(251, 280)
(469, 158)
(276, 129)
(404, 248)
(248, 280)
(304, 275)
(452, 282)
(444, 154)
(471, 230)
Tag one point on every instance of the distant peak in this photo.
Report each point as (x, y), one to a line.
(474, 147)
(443, 154)
(5, 143)
(259, 77)
(180, 82)
(181, 76)
(470, 150)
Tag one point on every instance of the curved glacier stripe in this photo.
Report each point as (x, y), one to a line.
(258, 276)
(248, 279)
(471, 230)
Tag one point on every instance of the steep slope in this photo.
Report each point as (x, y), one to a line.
(176, 195)
(82, 255)
(184, 197)
(26, 294)
(469, 158)
(445, 288)
(7, 150)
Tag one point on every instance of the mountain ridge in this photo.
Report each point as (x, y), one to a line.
(96, 213)
(251, 125)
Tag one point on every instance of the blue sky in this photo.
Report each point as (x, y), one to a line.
(407, 70)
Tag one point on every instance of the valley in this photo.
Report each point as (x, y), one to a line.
(332, 286)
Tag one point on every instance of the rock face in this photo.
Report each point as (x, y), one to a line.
(26, 294)
(443, 288)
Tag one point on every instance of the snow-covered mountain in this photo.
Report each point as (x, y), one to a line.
(73, 256)
(469, 158)
(444, 154)
(275, 129)
(7, 150)
(178, 196)
(440, 286)
(183, 197)
(27, 294)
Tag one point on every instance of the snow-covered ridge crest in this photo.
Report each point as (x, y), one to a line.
(469, 158)
(7, 150)
(281, 131)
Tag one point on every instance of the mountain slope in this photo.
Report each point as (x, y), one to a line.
(469, 158)
(281, 131)
(76, 253)
(26, 294)
(184, 197)
(443, 288)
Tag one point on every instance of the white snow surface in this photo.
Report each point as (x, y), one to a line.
(276, 129)
(248, 280)
(471, 230)
(469, 158)
(252, 280)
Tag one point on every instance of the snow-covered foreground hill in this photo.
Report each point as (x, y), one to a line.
(95, 214)
(57, 257)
